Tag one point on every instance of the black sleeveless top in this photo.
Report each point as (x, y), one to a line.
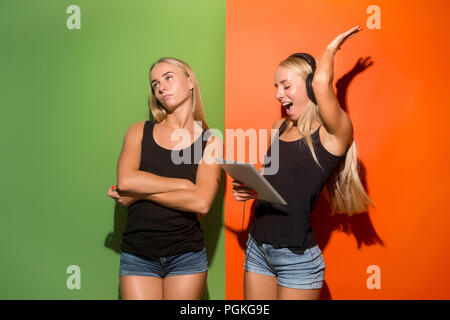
(156, 231)
(299, 181)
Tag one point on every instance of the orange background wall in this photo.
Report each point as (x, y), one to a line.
(399, 106)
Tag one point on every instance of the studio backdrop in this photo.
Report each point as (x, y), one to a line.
(74, 77)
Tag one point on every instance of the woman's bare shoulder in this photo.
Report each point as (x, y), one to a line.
(276, 125)
(135, 130)
(135, 126)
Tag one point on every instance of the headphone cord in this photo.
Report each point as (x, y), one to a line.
(243, 217)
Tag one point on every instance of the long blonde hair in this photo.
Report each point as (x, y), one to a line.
(345, 190)
(159, 112)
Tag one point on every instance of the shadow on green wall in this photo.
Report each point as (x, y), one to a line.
(211, 226)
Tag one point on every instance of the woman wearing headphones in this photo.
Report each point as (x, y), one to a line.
(167, 184)
(316, 148)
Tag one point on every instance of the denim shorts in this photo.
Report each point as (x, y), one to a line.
(180, 264)
(293, 268)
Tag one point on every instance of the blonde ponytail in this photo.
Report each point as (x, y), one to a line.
(345, 190)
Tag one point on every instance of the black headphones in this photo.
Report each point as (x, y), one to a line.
(312, 62)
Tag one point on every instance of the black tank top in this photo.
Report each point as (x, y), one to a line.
(299, 181)
(156, 231)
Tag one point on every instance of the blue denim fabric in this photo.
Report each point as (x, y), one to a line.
(292, 268)
(180, 264)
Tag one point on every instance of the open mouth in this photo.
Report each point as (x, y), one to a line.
(287, 105)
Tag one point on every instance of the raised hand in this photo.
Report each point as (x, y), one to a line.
(336, 44)
(325, 68)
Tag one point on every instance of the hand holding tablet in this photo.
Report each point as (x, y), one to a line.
(241, 192)
(252, 180)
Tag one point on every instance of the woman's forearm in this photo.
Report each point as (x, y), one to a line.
(184, 200)
(142, 182)
(198, 199)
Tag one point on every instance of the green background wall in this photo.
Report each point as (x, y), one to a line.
(67, 98)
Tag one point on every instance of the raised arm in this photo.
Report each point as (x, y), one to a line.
(335, 120)
(200, 199)
(132, 180)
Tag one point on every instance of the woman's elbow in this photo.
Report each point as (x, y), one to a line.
(203, 207)
(321, 81)
(123, 184)
(126, 180)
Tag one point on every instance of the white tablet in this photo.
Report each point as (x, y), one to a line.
(247, 173)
